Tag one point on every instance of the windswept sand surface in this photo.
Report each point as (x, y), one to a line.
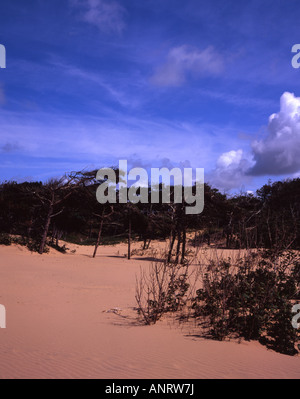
(58, 325)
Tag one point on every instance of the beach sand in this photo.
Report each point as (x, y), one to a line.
(61, 323)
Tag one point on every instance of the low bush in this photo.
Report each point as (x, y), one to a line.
(32, 244)
(5, 239)
(251, 298)
(162, 289)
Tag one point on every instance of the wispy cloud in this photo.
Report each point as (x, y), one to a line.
(184, 61)
(95, 78)
(108, 16)
(155, 82)
(77, 142)
(238, 100)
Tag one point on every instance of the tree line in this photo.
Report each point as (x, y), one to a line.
(40, 214)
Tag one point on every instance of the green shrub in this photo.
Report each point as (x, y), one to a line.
(32, 244)
(251, 299)
(5, 239)
(162, 289)
(62, 249)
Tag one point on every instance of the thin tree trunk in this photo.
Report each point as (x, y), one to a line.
(172, 241)
(145, 243)
(59, 234)
(53, 235)
(98, 238)
(29, 229)
(183, 245)
(178, 246)
(90, 229)
(46, 228)
(129, 237)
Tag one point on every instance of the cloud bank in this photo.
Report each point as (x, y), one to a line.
(277, 154)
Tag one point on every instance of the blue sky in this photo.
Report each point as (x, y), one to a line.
(206, 84)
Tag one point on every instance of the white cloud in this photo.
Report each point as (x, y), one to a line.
(278, 152)
(184, 61)
(108, 16)
(230, 158)
(230, 171)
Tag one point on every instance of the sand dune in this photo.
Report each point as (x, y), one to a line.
(61, 323)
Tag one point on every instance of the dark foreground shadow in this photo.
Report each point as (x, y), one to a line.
(149, 259)
(146, 258)
(127, 319)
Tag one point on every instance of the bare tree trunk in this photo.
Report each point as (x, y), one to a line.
(145, 243)
(269, 231)
(129, 237)
(29, 229)
(99, 237)
(46, 228)
(172, 241)
(178, 246)
(183, 245)
(90, 228)
(102, 217)
(54, 235)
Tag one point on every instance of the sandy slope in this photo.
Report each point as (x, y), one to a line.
(59, 325)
